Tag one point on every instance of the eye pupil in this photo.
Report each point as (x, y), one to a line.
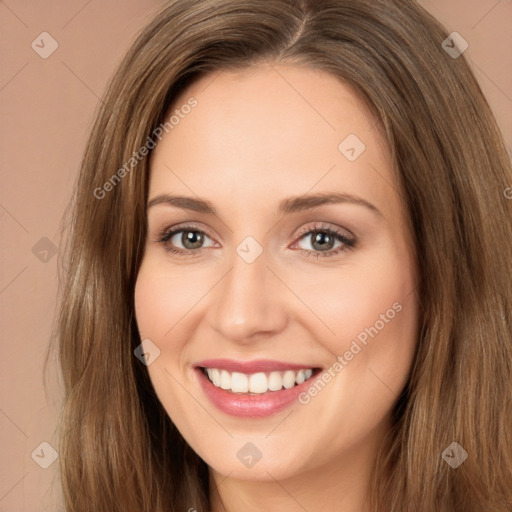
(325, 240)
(194, 237)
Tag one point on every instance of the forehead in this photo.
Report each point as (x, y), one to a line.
(271, 131)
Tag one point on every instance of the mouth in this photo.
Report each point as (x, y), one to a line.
(253, 389)
(257, 383)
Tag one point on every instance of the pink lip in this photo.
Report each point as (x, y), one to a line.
(259, 365)
(245, 404)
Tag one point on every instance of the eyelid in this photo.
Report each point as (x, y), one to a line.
(186, 226)
(325, 226)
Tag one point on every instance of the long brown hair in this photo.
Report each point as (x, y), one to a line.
(119, 451)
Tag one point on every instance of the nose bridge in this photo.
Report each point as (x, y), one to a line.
(248, 299)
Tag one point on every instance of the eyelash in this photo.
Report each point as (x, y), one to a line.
(348, 243)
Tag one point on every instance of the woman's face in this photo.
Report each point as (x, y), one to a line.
(276, 251)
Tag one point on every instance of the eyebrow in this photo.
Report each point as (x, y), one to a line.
(286, 206)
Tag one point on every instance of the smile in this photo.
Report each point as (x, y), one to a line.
(253, 388)
(257, 383)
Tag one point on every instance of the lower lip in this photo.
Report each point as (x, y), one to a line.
(250, 406)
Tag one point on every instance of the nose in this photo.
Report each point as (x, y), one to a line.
(249, 302)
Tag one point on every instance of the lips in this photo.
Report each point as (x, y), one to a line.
(248, 367)
(253, 388)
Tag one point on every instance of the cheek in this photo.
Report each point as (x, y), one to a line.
(371, 312)
(168, 309)
(160, 302)
(355, 298)
(162, 298)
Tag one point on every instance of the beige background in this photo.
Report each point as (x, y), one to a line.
(47, 106)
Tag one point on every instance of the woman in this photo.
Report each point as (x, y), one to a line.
(289, 270)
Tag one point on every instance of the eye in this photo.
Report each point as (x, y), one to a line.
(323, 240)
(189, 241)
(190, 238)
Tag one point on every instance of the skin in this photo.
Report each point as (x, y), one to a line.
(258, 136)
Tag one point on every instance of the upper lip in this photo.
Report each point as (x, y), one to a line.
(249, 367)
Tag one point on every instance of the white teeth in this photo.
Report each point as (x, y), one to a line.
(257, 382)
(239, 382)
(214, 375)
(289, 379)
(301, 377)
(225, 380)
(275, 381)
